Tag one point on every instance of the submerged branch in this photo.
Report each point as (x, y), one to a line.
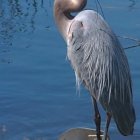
(132, 39)
(130, 47)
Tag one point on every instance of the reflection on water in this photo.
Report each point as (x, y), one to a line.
(37, 85)
(17, 16)
(19, 13)
(133, 3)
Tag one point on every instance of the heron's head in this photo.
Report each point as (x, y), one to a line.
(62, 13)
(70, 5)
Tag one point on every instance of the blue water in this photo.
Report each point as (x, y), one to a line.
(38, 99)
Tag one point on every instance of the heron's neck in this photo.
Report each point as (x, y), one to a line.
(62, 19)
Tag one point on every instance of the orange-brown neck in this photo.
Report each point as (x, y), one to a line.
(62, 13)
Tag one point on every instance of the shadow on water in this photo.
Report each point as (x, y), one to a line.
(17, 16)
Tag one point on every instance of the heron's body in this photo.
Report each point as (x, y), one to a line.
(100, 64)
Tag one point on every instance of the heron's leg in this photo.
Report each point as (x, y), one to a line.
(97, 119)
(108, 119)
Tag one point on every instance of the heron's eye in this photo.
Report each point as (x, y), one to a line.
(81, 23)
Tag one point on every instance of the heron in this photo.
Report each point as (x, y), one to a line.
(99, 62)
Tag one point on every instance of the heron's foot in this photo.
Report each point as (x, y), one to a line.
(98, 124)
(108, 119)
(99, 138)
(97, 119)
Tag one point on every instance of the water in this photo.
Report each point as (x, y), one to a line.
(38, 99)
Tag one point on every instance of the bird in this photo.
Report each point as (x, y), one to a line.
(99, 62)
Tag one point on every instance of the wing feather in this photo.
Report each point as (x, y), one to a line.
(98, 59)
(99, 62)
